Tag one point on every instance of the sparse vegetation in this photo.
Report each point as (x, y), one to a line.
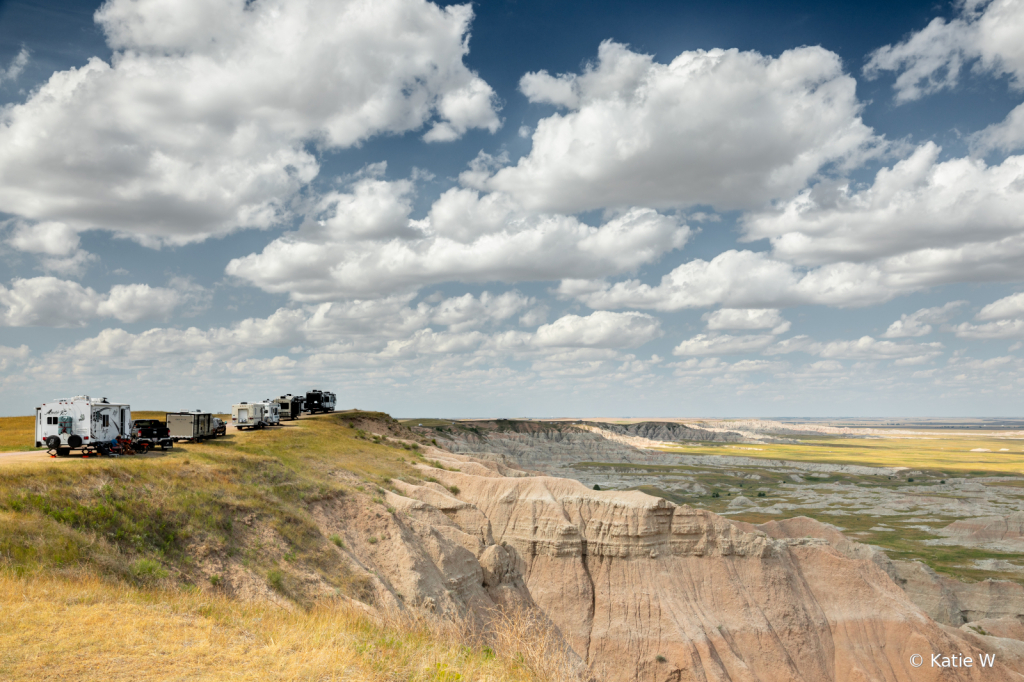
(336, 539)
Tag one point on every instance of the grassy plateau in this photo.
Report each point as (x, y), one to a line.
(105, 565)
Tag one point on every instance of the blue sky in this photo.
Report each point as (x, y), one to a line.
(515, 208)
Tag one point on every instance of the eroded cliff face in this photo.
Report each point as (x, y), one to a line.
(646, 590)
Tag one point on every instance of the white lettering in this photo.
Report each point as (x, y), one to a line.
(987, 660)
(935, 661)
(968, 662)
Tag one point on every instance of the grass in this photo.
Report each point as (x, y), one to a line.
(946, 451)
(91, 547)
(95, 629)
(109, 514)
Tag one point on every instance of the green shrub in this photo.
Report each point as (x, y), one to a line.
(148, 569)
(216, 580)
(372, 540)
(454, 489)
(275, 577)
(336, 539)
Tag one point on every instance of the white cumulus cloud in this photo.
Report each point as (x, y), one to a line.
(987, 33)
(199, 124)
(362, 250)
(601, 329)
(920, 323)
(722, 127)
(53, 302)
(747, 318)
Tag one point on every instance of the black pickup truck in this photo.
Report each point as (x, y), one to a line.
(150, 433)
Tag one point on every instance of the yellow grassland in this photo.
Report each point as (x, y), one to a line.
(87, 628)
(947, 451)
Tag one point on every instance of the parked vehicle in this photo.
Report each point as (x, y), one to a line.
(83, 424)
(319, 401)
(291, 406)
(272, 413)
(147, 434)
(194, 426)
(248, 415)
(219, 427)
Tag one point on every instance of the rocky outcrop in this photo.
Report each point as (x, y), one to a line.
(646, 590)
(945, 600)
(674, 432)
(1005, 533)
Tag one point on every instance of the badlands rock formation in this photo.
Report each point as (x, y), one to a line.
(1004, 533)
(646, 590)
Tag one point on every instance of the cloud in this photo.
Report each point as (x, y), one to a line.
(600, 329)
(747, 318)
(1010, 306)
(53, 302)
(723, 344)
(919, 323)
(1000, 329)
(204, 119)
(868, 348)
(931, 59)
(56, 244)
(467, 311)
(466, 237)
(16, 66)
(743, 279)
(720, 127)
(936, 211)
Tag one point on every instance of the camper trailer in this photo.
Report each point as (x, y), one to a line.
(271, 413)
(291, 406)
(319, 401)
(81, 423)
(248, 415)
(193, 425)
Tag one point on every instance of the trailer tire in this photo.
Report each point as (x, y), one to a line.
(53, 442)
(74, 441)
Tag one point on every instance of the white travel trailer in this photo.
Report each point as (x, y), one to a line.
(249, 415)
(81, 423)
(271, 412)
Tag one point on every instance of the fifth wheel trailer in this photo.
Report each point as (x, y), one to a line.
(81, 423)
(248, 415)
(291, 406)
(319, 401)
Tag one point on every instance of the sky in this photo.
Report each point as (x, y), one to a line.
(515, 208)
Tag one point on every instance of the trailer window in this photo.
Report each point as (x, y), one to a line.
(106, 420)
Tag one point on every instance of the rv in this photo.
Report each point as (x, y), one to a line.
(248, 415)
(291, 406)
(193, 426)
(271, 413)
(81, 423)
(319, 401)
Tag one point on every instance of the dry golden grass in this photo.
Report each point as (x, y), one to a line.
(947, 451)
(17, 433)
(90, 629)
